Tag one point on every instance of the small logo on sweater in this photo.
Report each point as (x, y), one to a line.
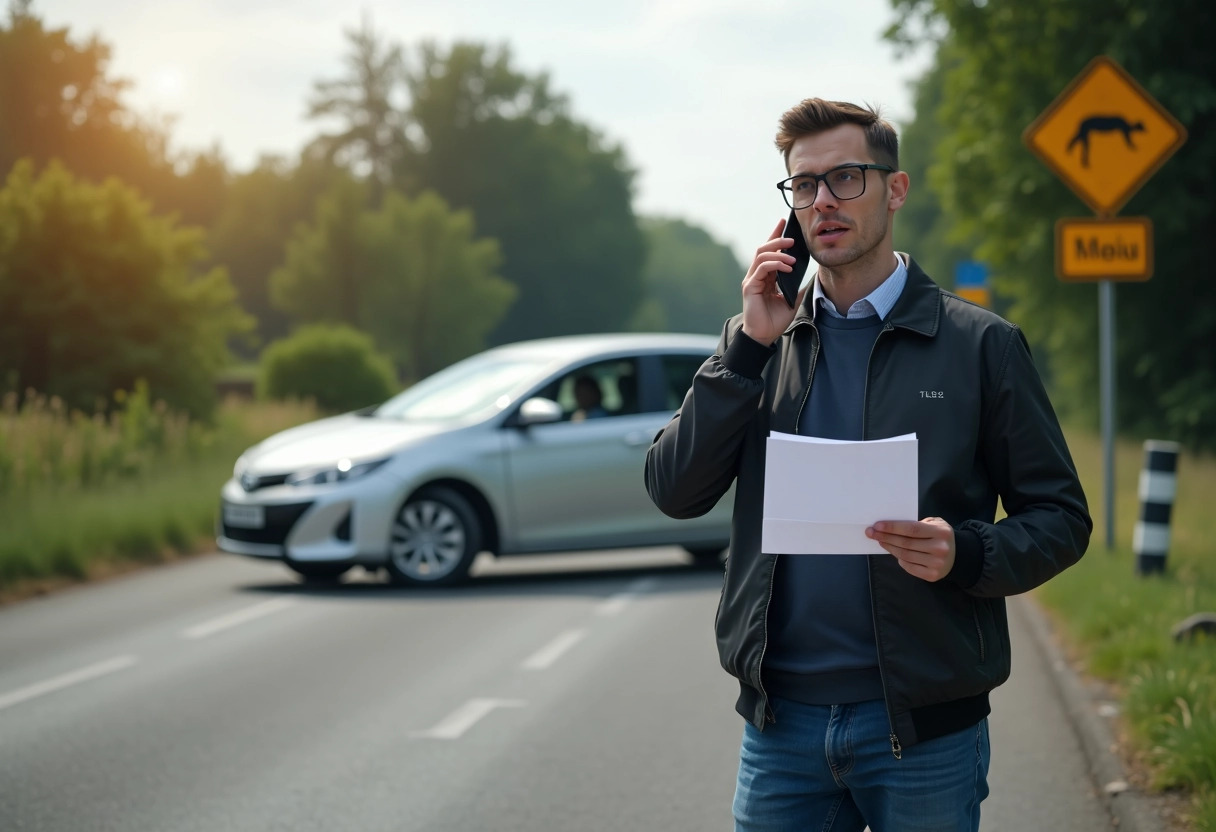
(933, 394)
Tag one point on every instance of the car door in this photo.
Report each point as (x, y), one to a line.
(578, 483)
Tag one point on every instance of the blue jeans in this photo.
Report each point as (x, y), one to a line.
(829, 768)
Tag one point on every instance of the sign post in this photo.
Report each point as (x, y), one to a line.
(1104, 136)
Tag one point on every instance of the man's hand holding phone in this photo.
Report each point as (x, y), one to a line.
(766, 312)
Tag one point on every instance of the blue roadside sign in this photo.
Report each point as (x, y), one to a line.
(971, 282)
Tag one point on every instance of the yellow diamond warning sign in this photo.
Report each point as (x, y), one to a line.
(1090, 249)
(1104, 136)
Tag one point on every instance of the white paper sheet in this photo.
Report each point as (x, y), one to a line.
(820, 495)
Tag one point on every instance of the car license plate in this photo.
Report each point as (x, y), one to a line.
(244, 517)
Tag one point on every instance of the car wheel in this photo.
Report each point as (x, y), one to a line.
(705, 556)
(434, 539)
(321, 573)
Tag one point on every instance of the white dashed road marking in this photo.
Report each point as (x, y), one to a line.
(233, 619)
(618, 602)
(84, 674)
(544, 658)
(465, 717)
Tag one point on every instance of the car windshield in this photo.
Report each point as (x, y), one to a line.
(469, 387)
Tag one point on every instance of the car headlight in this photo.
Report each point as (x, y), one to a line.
(344, 471)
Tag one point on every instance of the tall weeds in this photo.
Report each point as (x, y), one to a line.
(129, 483)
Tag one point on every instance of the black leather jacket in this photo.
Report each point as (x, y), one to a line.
(962, 379)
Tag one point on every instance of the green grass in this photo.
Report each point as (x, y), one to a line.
(71, 528)
(1121, 622)
(72, 534)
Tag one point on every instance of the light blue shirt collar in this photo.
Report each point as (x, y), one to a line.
(879, 302)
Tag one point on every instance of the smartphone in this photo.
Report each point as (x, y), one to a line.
(788, 282)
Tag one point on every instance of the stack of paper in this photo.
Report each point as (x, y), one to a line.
(820, 495)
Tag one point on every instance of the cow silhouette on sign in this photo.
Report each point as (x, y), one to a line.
(1103, 124)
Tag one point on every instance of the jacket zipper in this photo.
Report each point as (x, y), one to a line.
(810, 375)
(772, 577)
(979, 631)
(896, 748)
(768, 712)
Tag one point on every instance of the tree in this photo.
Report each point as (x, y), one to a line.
(372, 134)
(921, 226)
(553, 193)
(56, 96)
(260, 212)
(426, 288)
(1002, 63)
(96, 293)
(59, 101)
(325, 265)
(435, 295)
(691, 280)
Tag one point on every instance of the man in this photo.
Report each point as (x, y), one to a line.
(865, 679)
(589, 398)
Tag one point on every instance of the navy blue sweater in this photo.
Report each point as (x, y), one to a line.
(821, 627)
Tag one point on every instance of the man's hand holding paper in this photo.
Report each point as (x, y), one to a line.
(924, 548)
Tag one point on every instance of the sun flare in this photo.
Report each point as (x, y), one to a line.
(168, 84)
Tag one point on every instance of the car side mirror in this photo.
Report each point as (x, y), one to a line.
(537, 411)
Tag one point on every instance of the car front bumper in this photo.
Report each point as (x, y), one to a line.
(312, 524)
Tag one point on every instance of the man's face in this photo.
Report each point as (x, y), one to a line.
(841, 232)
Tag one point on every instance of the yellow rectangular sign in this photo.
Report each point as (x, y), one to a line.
(975, 294)
(1099, 249)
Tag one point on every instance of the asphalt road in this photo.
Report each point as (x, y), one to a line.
(572, 693)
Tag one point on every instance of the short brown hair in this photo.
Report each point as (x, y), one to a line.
(814, 115)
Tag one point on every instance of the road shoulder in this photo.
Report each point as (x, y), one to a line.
(1093, 711)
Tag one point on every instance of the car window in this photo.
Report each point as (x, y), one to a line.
(463, 389)
(593, 391)
(678, 371)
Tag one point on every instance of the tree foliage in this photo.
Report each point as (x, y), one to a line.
(325, 267)
(262, 209)
(58, 100)
(691, 280)
(436, 293)
(371, 137)
(97, 293)
(334, 365)
(501, 144)
(922, 227)
(1000, 64)
(412, 274)
(554, 194)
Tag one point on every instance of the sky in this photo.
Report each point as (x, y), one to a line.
(691, 89)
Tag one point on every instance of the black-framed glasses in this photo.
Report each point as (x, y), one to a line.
(845, 182)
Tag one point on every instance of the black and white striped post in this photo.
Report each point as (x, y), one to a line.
(1151, 540)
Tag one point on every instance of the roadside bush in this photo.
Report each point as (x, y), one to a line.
(336, 366)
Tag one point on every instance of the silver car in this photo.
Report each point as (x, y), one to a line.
(532, 447)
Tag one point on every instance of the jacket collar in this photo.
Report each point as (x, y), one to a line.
(918, 307)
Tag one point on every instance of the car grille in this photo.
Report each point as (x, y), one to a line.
(251, 483)
(279, 520)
